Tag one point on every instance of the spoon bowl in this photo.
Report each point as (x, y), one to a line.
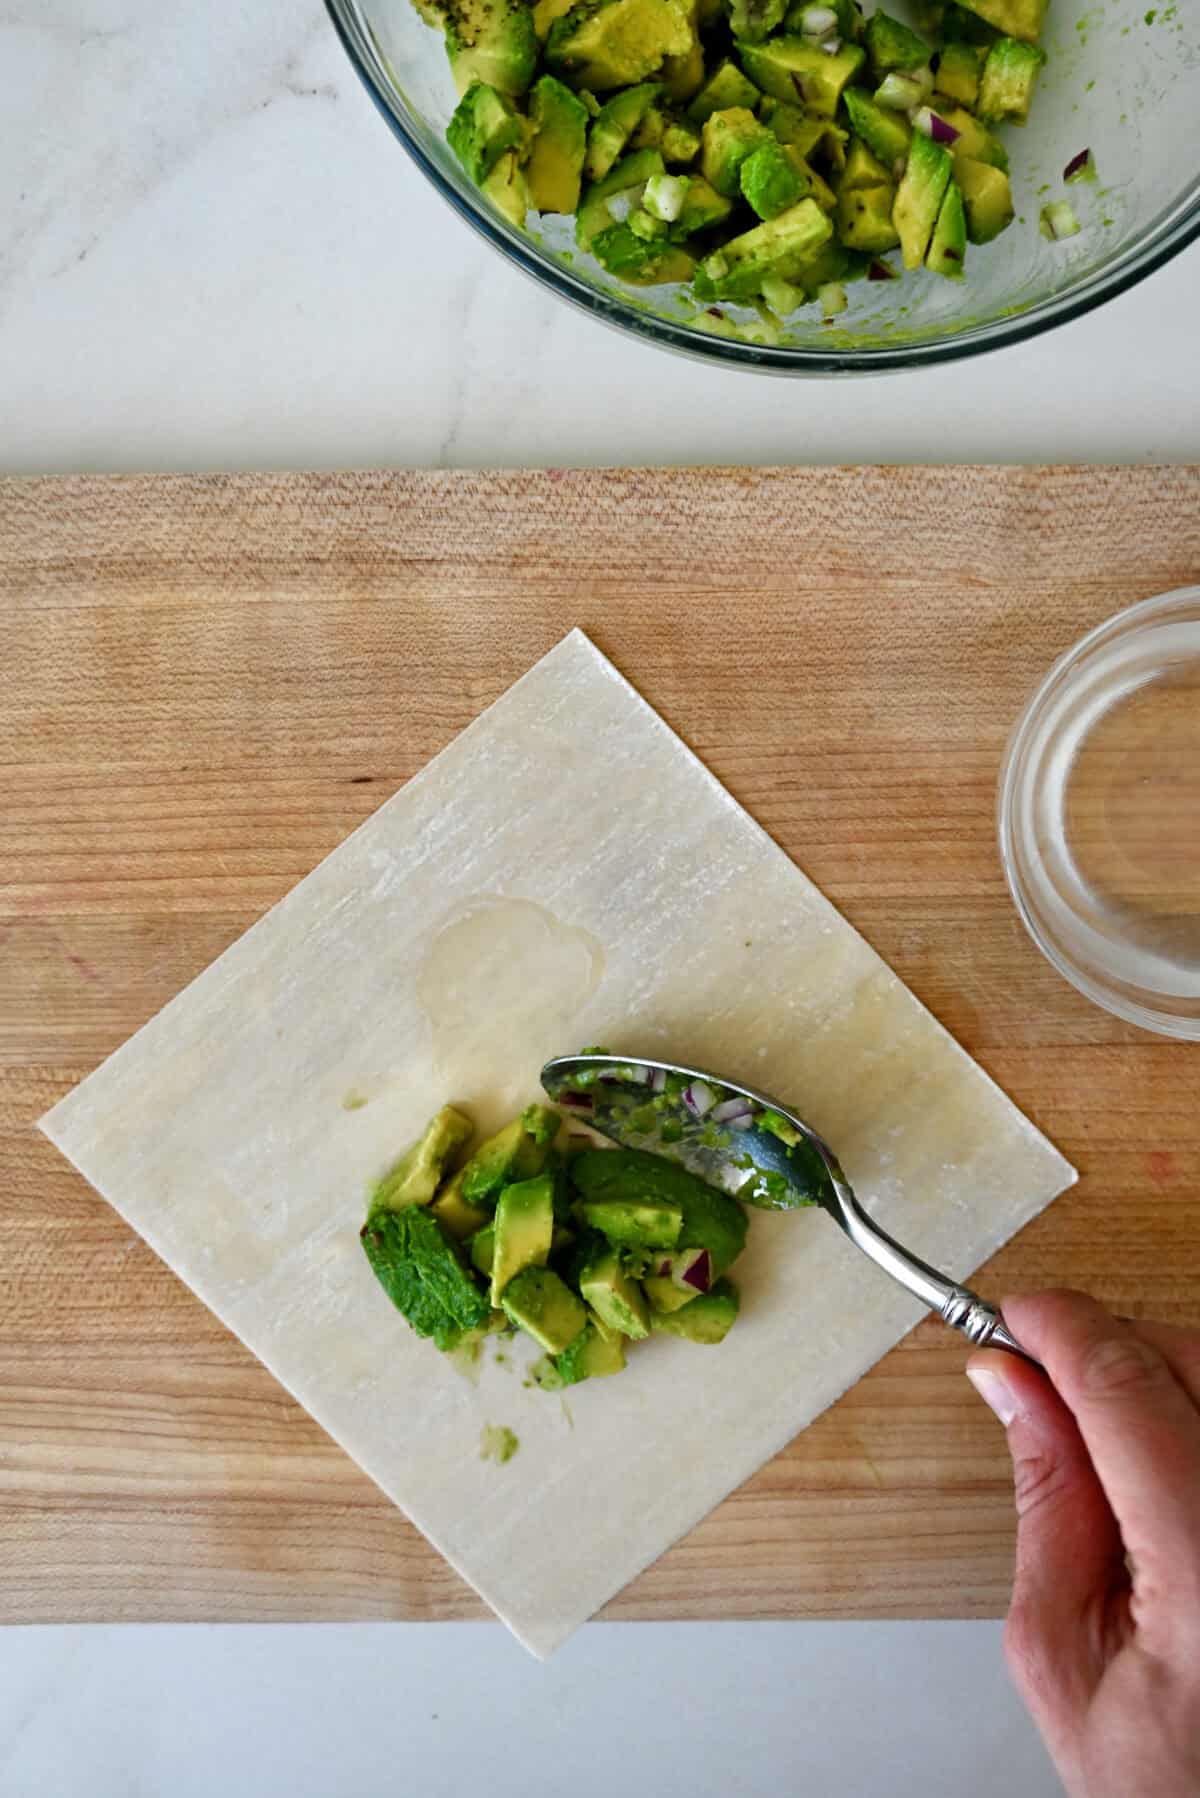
(748, 1144)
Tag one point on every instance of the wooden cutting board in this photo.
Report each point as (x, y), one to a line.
(206, 683)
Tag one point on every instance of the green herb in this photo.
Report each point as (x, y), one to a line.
(419, 1268)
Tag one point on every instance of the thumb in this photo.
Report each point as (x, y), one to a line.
(1068, 1544)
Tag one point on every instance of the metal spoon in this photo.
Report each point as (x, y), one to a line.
(809, 1167)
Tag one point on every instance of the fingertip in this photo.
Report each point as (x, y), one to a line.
(1010, 1386)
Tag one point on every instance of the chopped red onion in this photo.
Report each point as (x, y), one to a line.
(695, 1270)
(742, 1123)
(658, 1080)
(900, 92)
(728, 1109)
(934, 126)
(818, 21)
(699, 1098)
(1059, 221)
(580, 1101)
(1081, 167)
(879, 271)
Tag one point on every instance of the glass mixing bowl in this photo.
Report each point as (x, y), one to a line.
(1114, 83)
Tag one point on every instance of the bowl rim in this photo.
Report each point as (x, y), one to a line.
(1165, 242)
(1093, 986)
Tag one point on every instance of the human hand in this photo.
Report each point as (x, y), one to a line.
(1103, 1634)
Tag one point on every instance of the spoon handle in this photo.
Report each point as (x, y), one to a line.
(982, 1324)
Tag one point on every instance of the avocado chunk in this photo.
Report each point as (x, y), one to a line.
(753, 20)
(635, 1223)
(780, 247)
(539, 1303)
(491, 41)
(482, 1249)
(524, 1230)
(919, 197)
(544, 14)
(512, 1154)
(770, 181)
(710, 1219)
(958, 71)
(726, 87)
(816, 138)
(416, 1176)
(863, 169)
(419, 1268)
(892, 46)
(682, 77)
(987, 199)
(1009, 78)
(507, 190)
(453, 1212)
(629, 176)
(702, 208)
(1015, 18)
(679, 142)
(974, 141)
(885, 133)
(602, 44)
(642, 261)
(615, 124)
(790, 68)
(554, 169)
(664, 1295)
(591, 1356)
(485, 124)
(707, 1319)
(727, 139)
(864, 219)
(617, 1300)
(948, 250)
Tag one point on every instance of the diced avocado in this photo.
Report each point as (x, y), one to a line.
(863, 168)
(485, 124)
(892, 46)
(542, 1123)
(506, 188)
(833, 264)
(948, 251)
(790, 68)
(641, 261)
(702, 208)
(814, 186)
(1015, 18)
(617, 1300)
(753, 20)
(987, 199)
(962, 27)
(555, 166)
(780, 246)
(539, 1303)
(711, 1219)
(708, 1318)
(726, 141)
(635, 1223)
(602, 44)
(615, 124)
(726, 87)
(815, 137)
(682, 77)
(512, 1154)
(416, 1176)
(680, 143)
(629, 175)
(524, 1230)
(885, 133)
(958, 71)
(419, 1268)
(974, 142)
(453, 1212)
(591, 1356)
(864, 218)
(482, 1250)
(1009, 78)
(663, 1293)
(491, 41)
(544, 14)
(919, 196)
(770, 182)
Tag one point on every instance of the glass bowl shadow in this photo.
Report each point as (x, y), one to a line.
(1115, 84)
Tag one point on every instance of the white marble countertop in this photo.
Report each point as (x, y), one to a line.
(205, 262)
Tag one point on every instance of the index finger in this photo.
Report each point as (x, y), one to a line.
(1140, 1426)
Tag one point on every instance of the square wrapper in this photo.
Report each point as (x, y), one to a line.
(565, 872)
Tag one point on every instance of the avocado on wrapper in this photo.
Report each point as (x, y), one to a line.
(584, 1254)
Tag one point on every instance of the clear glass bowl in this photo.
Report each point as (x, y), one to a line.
(1126, 89)
(1099, 815)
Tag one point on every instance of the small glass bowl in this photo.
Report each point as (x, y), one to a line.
(1099, 815)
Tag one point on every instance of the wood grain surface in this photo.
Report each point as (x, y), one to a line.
(206, 683)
